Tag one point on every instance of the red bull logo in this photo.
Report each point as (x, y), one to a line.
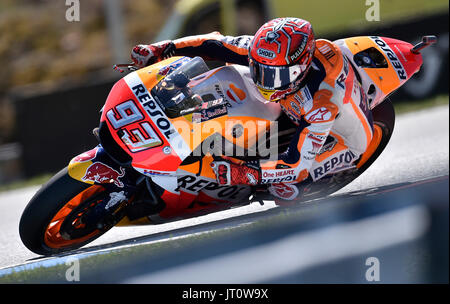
(101, 173)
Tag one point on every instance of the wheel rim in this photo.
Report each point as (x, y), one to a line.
(53, 237)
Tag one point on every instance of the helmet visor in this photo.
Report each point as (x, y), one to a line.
(274, 77)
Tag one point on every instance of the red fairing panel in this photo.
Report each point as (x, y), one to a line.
(411, 62)
(133, 129)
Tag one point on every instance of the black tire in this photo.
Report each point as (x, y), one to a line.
(43, 207)
(384, 117)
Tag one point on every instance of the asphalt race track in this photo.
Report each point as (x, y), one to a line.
(418, 150)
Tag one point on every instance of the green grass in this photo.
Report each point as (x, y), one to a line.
(34, 181)
(402, 107)
(335, 16)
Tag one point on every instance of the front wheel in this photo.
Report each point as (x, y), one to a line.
(66, 214)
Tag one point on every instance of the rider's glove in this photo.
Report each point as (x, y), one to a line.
(143, 55)
(230, 172)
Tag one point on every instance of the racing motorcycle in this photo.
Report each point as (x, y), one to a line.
(163, 125)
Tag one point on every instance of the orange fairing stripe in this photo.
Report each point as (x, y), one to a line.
(376, 139)
(52, 236)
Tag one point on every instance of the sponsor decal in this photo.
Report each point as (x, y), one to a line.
(326, 51)
(154, 173)
(316, 143)
(340, 81)
(364, 105)
(296, 108)
(265, 53)
(318, 115)
(304, 98)
(115, 198)
(300, 50)
(236, 94)
(155, 112)
(284, 191)
(251, 179)
(278, 94)
(401, 73)
(219, 91)
(167, 150)
(214, 112)
(241, 41)
(196, 117)
(100, 173)
(339, 161)
(157, 115)
(291, 114)
(316, 137)
(328, 146)
(196, 184)
(171, 67)
(278, 176)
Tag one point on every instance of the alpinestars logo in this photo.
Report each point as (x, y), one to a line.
(319, 115)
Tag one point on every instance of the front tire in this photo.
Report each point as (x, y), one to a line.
(52, 222)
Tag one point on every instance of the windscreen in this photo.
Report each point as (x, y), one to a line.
(173, 92)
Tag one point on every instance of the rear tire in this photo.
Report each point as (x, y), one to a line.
(48, 202)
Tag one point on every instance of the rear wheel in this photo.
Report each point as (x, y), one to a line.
(66, 214)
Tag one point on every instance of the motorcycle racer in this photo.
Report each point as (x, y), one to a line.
(313, 82)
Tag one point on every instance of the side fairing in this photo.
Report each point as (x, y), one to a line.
(400, 64)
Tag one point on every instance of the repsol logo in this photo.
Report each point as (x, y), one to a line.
(194, 184)
(392, 57)
(340, 160)
(265, 53)
(288, 178)
(155, 112)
